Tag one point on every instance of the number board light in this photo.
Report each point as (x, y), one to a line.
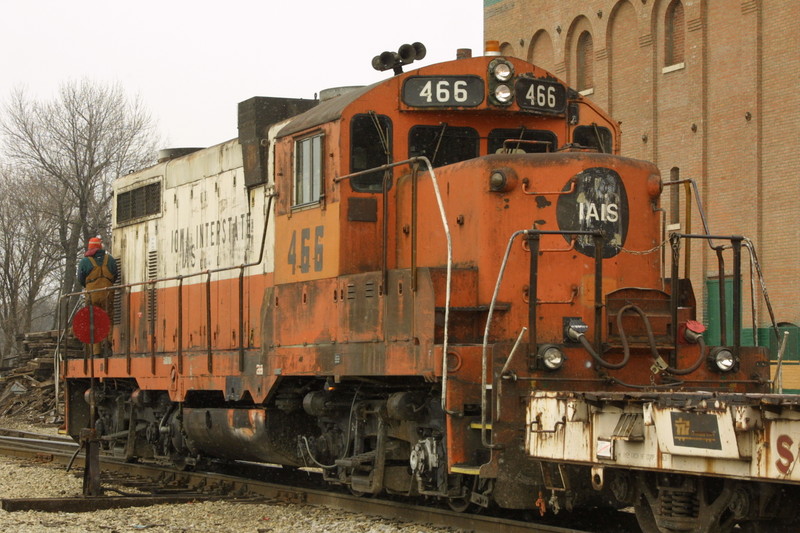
(443, 91)
(543, 96)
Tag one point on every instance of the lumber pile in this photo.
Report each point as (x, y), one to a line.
(43, 344)
(27, 390)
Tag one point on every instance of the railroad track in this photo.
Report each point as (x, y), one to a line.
(174, 486)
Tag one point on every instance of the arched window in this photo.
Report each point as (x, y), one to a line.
(541, 50)
(585, 62)
(673, 34)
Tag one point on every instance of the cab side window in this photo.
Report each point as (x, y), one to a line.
(370, 147)
(308, 169)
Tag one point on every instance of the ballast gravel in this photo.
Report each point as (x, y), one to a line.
(26, 479)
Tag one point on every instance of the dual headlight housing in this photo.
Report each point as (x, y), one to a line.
(501, 82)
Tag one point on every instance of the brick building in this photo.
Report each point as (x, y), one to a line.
(708, 87)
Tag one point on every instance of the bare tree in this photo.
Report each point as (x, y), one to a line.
(27, 259)
(74, 147)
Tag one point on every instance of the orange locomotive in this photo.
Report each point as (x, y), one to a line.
(446, 284)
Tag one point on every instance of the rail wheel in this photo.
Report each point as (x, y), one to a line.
(181, 462)
(357, 493)
(473, 494)
(644, 515)
(463, 485)
(459, 505)
(678, 504)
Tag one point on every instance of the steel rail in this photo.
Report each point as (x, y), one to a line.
(237, 487)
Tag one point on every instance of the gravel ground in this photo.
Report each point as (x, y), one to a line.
(26, 479)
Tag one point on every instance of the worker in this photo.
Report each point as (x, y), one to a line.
(98, 270)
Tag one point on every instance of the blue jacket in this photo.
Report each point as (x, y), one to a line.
(85, 266)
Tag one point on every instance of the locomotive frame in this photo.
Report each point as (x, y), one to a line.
(446, 284)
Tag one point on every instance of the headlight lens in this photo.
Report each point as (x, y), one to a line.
(552, 357)
(503, 71)
(724, 360)
(503, 93)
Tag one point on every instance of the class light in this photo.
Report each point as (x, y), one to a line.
(497, 181)
(502, 179)
(551, 356)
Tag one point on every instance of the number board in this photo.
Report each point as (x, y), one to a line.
(544, 96)
(443, 91)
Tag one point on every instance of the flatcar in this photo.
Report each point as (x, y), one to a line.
(447, 284)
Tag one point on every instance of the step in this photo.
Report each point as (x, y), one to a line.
(461, 468)
(478, 425)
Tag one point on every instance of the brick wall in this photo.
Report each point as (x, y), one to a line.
(726, 114)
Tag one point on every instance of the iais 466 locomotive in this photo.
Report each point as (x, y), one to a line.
(446, 284)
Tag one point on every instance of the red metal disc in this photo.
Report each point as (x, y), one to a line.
(81, 325)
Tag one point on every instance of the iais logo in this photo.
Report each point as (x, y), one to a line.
(598, 202)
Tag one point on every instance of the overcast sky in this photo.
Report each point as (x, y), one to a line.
(192, 62)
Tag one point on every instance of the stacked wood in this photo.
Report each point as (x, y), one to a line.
(44, 343)
(27, 390)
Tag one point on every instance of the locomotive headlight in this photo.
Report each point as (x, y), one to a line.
(551, 356)
(723, 359)
(503, 71)
(503, 93)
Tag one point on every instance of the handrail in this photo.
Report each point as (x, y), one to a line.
(747, 243)
(572, 184)
(736, 245)
(571, 247)
(777, 383)
(446, 227)
(485, 347)
(179, 278)
(185, 276)
(700, 209)
(533, 234)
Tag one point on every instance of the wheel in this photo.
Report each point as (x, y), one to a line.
(357, 493)
(710, 499)
(181, 462)
(644, 515)
(460, 504)
(463, 485)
